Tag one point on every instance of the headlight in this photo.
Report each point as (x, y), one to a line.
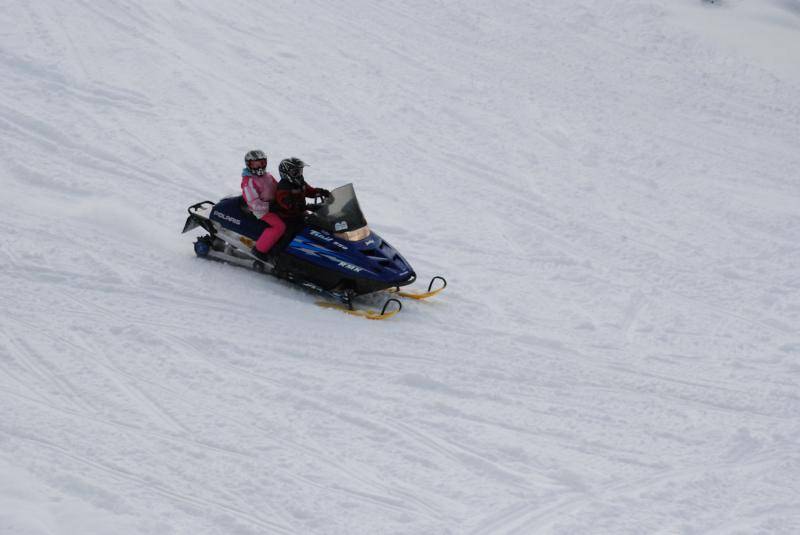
(354, 235)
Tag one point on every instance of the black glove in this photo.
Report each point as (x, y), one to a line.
(313, 207)
(322, 192)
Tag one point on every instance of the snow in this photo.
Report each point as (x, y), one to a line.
(765, 31)
(610, 188)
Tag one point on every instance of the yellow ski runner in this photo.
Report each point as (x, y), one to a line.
(421, 295)
(364, 313)
(383, 313)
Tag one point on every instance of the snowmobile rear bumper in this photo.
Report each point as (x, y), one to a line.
(194, 220)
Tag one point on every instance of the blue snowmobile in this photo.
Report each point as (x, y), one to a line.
(333, 252)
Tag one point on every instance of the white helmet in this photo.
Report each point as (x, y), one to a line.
(256, 162)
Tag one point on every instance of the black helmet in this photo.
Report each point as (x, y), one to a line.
(256, 161)
(292, 170)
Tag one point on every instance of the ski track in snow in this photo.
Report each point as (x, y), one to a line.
(611, 191)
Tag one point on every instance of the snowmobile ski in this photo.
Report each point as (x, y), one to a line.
(421, 295)
(364, 313)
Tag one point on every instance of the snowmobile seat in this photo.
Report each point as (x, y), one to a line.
(230, 212)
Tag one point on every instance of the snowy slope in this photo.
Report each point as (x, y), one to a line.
(611, 188)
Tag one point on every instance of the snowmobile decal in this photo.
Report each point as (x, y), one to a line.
(321, 235)
(226, 217)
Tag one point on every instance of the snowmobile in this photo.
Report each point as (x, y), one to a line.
(332, 252)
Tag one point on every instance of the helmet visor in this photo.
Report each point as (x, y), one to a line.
(257, 164)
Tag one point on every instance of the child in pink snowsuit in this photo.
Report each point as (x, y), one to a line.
(258, 189)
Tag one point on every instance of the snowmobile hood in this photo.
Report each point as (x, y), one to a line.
(371, 258)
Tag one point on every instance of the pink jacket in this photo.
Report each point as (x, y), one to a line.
(258, 191)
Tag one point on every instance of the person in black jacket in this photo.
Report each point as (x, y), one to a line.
(290, 198)
(292, 191)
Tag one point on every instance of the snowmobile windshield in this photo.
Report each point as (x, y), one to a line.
(340, 213)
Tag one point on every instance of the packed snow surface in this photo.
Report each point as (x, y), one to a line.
(611, 188)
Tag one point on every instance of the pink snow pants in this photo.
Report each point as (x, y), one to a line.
(271, 234)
